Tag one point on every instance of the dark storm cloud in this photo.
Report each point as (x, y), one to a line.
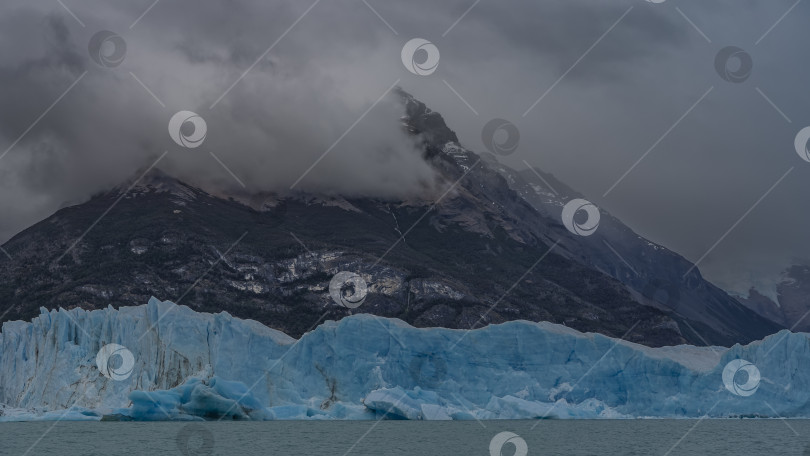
(560, 31)
(617, 101)
(268, 129)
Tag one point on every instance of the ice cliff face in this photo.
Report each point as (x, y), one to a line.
(190, 365)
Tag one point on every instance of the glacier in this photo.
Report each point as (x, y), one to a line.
(197, 366)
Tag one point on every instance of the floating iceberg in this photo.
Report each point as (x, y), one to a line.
(190, 366)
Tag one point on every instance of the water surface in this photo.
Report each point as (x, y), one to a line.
(418, 438)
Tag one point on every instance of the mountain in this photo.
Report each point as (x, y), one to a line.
(180, 364)
(655, 275)
(482, 254)
(790, 304)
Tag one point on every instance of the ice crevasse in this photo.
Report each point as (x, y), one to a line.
(186, 365)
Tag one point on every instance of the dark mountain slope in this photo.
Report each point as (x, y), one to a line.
(655, 275)
(481, 255)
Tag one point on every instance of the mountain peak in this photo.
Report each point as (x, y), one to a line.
(154, 180)
(422, 120)
(451, 261)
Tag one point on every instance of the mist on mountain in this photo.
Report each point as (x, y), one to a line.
(291, 101)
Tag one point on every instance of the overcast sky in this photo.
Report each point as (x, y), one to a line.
(619, 77)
